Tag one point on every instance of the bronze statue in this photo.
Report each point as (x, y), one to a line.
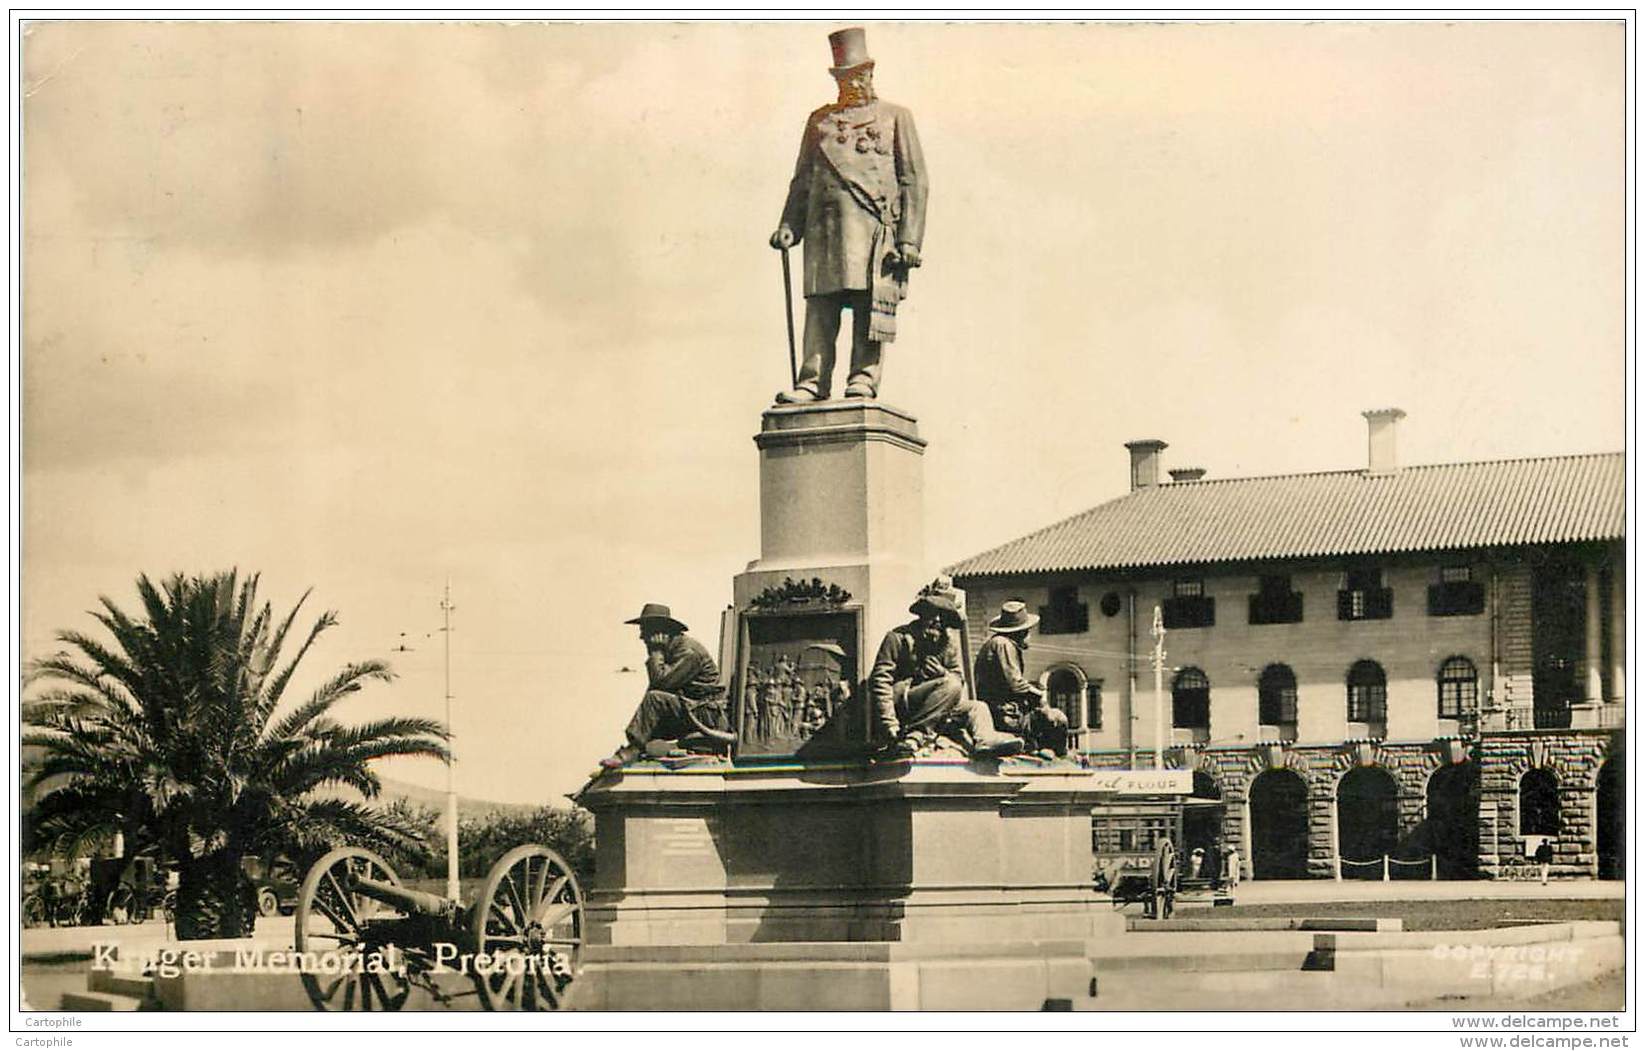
(684, 699)
(917, 684)
(857, 200)
(1019, 706)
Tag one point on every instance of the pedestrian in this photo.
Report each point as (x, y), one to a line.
(1544, 859)
(1230, 868)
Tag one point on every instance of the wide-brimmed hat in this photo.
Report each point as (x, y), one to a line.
(1014, 617)
(942, 605)
(656, 613)
(850, 48)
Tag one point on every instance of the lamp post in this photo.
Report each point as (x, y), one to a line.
(1158, 631)
(452, 887)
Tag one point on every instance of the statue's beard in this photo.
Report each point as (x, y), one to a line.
(852, 96)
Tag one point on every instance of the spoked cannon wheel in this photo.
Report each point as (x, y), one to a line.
(1164, 881)
(331, 923)
(528, 922)
(120, 906)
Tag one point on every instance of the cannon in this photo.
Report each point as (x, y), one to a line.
(364, 940)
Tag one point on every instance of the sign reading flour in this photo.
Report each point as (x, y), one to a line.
(1143, 782)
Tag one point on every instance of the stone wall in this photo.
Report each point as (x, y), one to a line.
(1575, 760)
(1574, 757)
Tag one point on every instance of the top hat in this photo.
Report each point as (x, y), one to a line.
(656, 613)
(1014, 617)
(850, 47)
(942, 605)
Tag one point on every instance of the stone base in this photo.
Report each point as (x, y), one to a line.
(842, 500)
(926, 852)
(834, 976)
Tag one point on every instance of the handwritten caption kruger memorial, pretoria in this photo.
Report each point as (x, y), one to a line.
(448, 959)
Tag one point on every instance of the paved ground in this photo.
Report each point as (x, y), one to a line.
(55, 959)
(39, 942)
(45, 983)
(1443, 914)
(1608, 992)
(1262, 892)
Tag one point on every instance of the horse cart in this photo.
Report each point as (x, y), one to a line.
(364, 940)
(1140, 857)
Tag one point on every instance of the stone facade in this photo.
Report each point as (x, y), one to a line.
(1502, 760)
(1103, 643)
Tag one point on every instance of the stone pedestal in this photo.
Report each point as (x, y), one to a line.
(842, 499)
(943, 873)
(777, 882)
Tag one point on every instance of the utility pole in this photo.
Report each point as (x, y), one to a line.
(452, 888)
(1158, 632)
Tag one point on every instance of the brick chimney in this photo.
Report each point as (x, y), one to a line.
(1382, 451)
(1187, 474)
(1145, 459)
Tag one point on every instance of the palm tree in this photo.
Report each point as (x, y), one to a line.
(175, 736)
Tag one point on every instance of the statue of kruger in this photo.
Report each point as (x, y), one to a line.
(857, 200)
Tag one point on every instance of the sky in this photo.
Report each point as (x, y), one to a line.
(363, 308)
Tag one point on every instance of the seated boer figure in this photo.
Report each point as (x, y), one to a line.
(1017, 704)
(685, 699)
(915, 684)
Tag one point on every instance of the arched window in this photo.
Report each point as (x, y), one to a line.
(1277, 696)
(1367, 693)
(1191, 700)
(1539, 803)
(1458, 688)
(1064, 688)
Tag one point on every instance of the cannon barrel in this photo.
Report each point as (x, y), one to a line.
(416, 902)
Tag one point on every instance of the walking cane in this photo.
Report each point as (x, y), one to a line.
(788, 308)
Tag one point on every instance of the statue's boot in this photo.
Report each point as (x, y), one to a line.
(797, 396)
(621, 757)
(859, 390)
(894, 752)
(995, 747)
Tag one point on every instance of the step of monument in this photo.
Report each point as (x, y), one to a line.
(1286, 961)
(90, 1001)
(123, 982)
(1266, 923)
(1233, 991)
(1193, 943)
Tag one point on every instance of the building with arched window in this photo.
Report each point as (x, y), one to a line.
(1191, 706)
(1277, 702)
(1458, 689)
(1368, 696)
(1077, 696)
(1459, 627)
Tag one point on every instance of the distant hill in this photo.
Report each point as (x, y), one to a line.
(466, 806)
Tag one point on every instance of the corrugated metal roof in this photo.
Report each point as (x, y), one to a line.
(1557, 499)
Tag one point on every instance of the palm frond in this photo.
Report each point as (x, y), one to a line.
(276, 687)
(328, 693)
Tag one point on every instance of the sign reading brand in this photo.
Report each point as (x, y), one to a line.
(1143, 782)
